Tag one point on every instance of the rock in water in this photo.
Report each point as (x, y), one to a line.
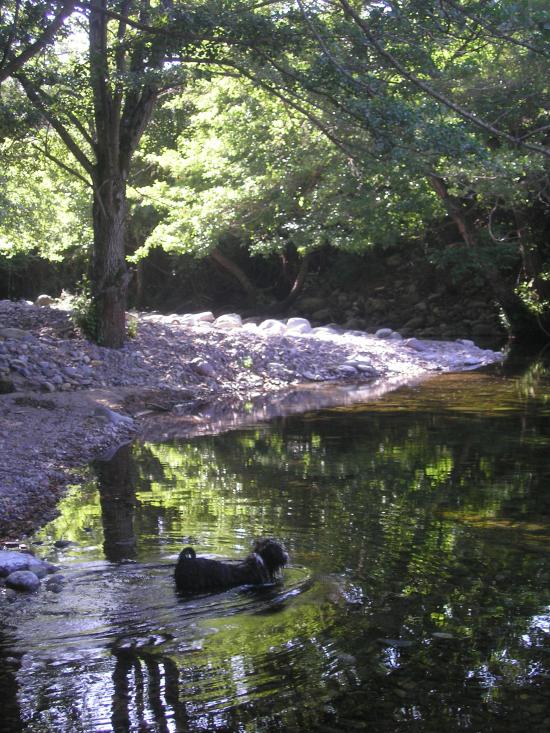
(12, 562)
(23, 580)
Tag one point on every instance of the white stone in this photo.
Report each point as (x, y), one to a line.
(324, 332)
(416, 344)
(298, 325)
(204, 317)
(272, 326)
(229, 321)
(44, 300)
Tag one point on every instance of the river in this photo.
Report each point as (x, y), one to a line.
(417, 597)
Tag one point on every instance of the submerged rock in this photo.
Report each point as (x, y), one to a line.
(23, 580)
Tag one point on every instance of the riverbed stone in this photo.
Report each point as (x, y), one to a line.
(298, 325)
(6, 385)
(347, 370)
(383, 333)
(229, 321)
(272, 326)
(416, 344)
(12, 561)
(203, 368)
(23, 580)
(219, 364)
(44, 300)
(115, 418)
(14, 333)
(204, 317)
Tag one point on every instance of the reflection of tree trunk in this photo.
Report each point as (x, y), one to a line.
(117, 481)
(160, 677)
(11, 712)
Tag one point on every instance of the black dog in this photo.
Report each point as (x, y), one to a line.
(199, 574)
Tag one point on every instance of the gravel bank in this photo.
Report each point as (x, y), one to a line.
(66, 401)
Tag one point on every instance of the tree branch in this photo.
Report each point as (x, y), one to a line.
(16, 63)
(464, 113)
(34, 96)
(63, 166)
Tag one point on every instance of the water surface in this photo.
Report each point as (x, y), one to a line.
(417, 599)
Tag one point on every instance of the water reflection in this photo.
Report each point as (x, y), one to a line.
(116, 483)
(418, 597)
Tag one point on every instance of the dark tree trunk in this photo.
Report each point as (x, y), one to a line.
(121, 116)
(109, 274)
(524, 325)
(238, 273)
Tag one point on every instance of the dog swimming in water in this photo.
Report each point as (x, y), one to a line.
(200, 574)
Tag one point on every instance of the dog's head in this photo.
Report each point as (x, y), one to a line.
(272, 553)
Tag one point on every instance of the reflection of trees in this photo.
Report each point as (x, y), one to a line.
(416, 507)
(433, 516)
(146, 685)
(116, 484)
(10, 718)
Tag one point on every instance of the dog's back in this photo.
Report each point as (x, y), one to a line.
(200, 574)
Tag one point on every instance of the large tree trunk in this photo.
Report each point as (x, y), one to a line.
(109, 274)
(524, 325)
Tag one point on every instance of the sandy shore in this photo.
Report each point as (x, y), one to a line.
(68, 401)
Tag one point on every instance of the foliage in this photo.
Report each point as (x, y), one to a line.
(288, 124)
(249, 167)
(83, 313)
(47, 213)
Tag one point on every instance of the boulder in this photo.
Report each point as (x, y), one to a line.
(12, 562)
(23, 580)
(44, 300)
(272, 326)
(298, 325)
(229, 321)
(383, 333)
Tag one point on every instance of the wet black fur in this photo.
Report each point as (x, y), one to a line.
(199, 574)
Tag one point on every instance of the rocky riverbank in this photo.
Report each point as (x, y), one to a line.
(66, 401)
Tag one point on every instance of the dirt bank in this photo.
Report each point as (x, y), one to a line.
(67, 401)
